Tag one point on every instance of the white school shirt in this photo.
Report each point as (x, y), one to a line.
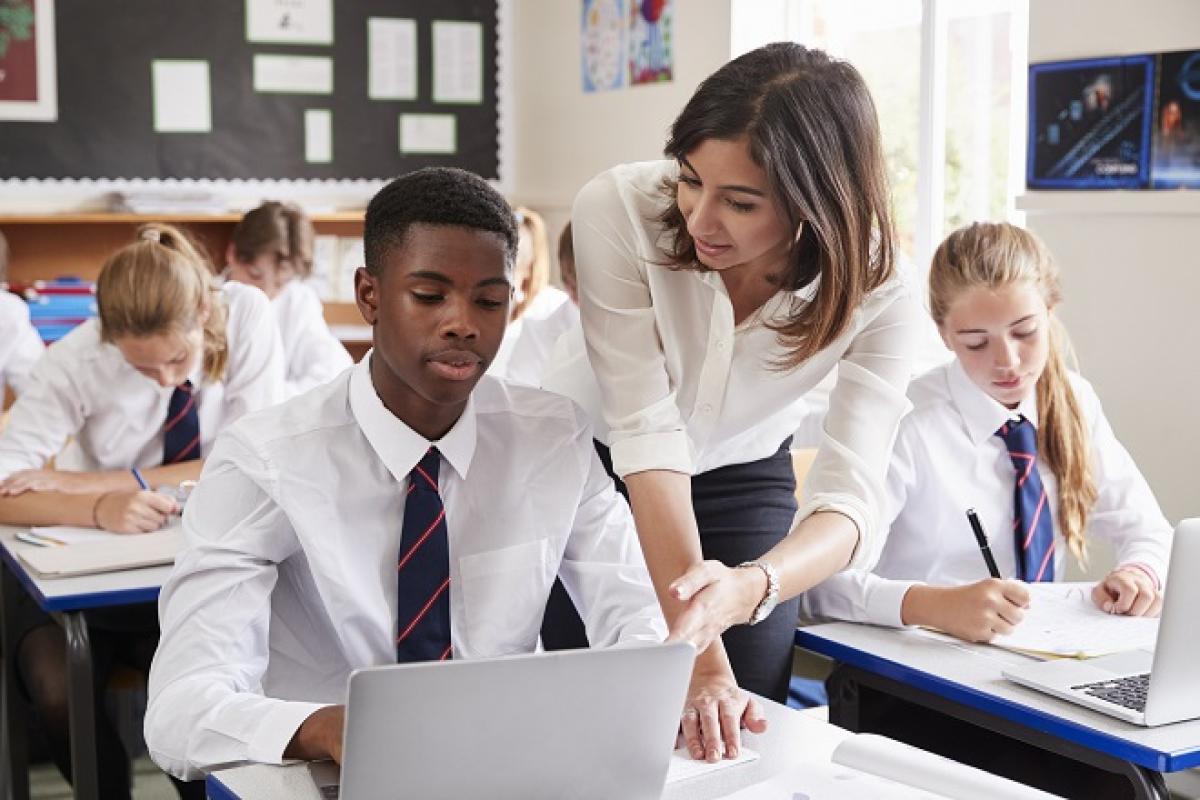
(312, 354)
(20, 345)
(83, 387)
(948, 459)
(545, 303)
(288, 579)
(672, 384)
(533, 348)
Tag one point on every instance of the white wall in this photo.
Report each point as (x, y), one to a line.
(566, 136)
(1129, 262)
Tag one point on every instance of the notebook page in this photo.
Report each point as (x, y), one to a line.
(683, 766)
(87, 558)
(71, 535)
(1062, 621)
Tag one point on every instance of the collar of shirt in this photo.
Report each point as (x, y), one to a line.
(397, 445)
(982, 415)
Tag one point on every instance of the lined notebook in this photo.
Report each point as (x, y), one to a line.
(88, 552)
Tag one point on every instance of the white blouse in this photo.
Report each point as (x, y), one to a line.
(674, 385)
(312, 354)
(948, 459)
(288, 580)
(20, 345)
(83, 387)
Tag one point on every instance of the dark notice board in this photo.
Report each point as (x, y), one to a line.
(105, 126)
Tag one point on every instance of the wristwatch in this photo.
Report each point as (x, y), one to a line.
(767, 604)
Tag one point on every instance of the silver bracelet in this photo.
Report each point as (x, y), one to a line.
(770, 598)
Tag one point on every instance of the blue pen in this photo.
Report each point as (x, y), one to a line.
(141, 481)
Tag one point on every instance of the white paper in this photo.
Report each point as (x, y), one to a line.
(809, 780)
(429, 133)
(293, 74)
(289, 21)
(683, 767)
(182, 96)
(1062, 620)
(318, 135)
(457, 62)
(71, 535)
(391, 59)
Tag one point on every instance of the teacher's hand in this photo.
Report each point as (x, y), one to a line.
(715, 712)
(715, 597)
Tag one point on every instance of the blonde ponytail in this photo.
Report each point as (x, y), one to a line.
(159, 284)
(995, 255)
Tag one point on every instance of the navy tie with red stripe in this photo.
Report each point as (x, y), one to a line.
(423, 571)
(1033, 525)
(181, 431)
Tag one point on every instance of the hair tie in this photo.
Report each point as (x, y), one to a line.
(152, 235)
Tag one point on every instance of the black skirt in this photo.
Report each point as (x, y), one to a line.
(742, 511)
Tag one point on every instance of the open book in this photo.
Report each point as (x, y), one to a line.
(869, 767)
(86, 551)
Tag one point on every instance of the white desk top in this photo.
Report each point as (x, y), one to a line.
(791, 736)
(970, 674)
(85, 591)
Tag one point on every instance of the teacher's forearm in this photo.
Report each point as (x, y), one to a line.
(666, 525)
(814, 549)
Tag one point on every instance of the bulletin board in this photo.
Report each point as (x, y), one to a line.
(312, 109)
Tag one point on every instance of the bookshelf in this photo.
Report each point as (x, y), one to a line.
(43, 246)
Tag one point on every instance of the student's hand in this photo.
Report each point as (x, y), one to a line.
(134, 512)
(54, 480)
(975, 612)
(715, 597)
(1129, 591)
(320, 736)
(714, 714)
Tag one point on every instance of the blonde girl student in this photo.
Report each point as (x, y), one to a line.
(20, 345)
(272, 248)
(1007, 429)
(144, 389)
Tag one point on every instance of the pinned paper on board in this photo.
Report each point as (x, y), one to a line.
(182, 96)
(293, 74)
(391, 59)
(318, 135)
(289, 21)
(602, 35)
(28, 69)
(428, 134)
(457, 62)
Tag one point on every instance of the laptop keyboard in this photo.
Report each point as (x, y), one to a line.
(1129, 691)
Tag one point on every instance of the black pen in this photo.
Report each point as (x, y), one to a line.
(981, 537)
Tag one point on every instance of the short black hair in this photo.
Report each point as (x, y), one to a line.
(435, 196)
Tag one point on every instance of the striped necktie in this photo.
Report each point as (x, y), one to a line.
(181, 431)
(1033, 525)
(423, 571)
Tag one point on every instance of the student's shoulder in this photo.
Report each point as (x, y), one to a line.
(298, 296)
(83, 345)
(1085, 394)
(309, 420)
(13, 310)
(244, 303)
(930, 395)
(552, 415)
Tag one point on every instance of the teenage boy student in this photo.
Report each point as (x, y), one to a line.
(405, 511)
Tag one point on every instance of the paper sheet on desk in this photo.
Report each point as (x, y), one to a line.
(1063, 622)
(683, 766)
(120, 552)
(70, 535)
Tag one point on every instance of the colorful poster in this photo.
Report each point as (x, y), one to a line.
(1176, 162)
(651, 41)
(28, 73)
(602, 36)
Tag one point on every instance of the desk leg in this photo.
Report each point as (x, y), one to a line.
(80, 698)
(14, 771)
(845, 711)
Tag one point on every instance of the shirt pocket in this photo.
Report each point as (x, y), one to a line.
(504, 597)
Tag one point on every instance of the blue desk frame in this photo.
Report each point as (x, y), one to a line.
(1140, 764)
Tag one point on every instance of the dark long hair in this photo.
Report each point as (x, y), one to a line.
(811, 126)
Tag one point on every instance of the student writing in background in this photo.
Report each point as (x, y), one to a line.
(1007, 429)
(171, 360)
(538, 336)
(20, 345)
(272, 248)
(385, 516)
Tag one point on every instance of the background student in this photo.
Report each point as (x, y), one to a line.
(171, 360)
(272, 248)
(716, 289)
(386, 516)
(1005, 428)
(20, 345)
(538, 337)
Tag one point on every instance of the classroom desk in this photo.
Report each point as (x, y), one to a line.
(65, 599)
(790, 734)
(964, 681)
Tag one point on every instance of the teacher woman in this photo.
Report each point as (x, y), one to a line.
(716, 288)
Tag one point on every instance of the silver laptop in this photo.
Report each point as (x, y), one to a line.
(575, 724)
(1140, 686)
